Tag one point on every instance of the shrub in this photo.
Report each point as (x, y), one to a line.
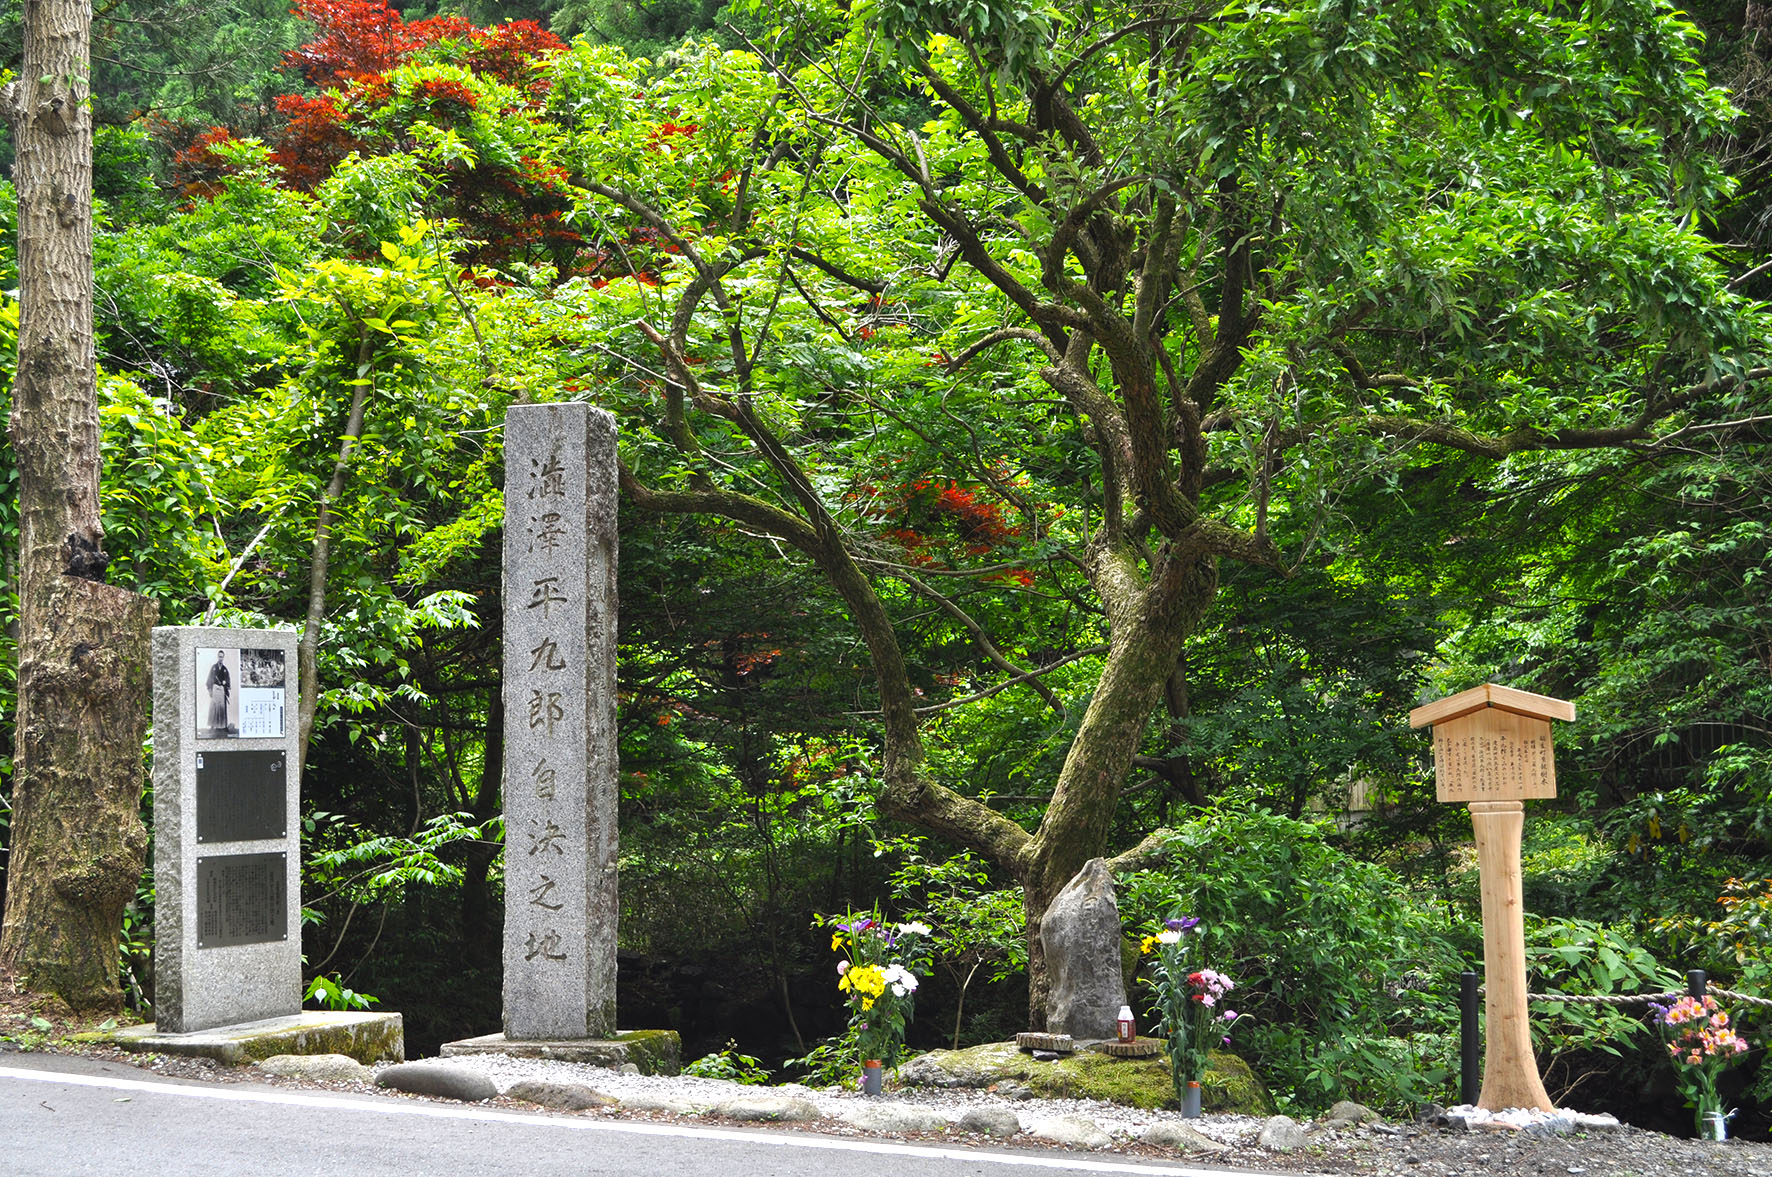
(1345, 977)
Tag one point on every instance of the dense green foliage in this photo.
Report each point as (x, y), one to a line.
(1493, 417)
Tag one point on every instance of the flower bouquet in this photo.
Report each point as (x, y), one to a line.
(878, 978)
(1701, 1044)
(1190, 1007)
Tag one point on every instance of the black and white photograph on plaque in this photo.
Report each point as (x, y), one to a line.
(218, 693)
(262, 699)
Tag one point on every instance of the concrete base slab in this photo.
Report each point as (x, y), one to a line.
(655, 1052)
(366, 1037)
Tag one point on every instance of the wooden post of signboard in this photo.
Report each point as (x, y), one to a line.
(1492, 749)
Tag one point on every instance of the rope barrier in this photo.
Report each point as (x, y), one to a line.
(1605, 999)
(1623, 999)
(1749, 998)
(1697, 984)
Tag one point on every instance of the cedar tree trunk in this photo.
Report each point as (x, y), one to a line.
(78, 843)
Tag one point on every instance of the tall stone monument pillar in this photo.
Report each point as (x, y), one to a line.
(1492, 749)
(559, 695)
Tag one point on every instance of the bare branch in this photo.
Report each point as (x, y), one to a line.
(988, 647)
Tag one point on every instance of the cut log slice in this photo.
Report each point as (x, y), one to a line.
(1061, 1043)
(1137, 1048)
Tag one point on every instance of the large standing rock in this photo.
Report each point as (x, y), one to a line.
(1081, 934)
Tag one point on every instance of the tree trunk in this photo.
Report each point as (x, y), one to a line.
(78, 845)
(308, 649)
(481, 918)
(1149, 628)
(78, 841)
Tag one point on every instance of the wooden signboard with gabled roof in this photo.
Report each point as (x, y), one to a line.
(1493, 743)
(1492, 749)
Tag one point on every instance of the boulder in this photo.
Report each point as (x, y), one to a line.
(437, 1079)
(782, 1109)
(567, 1097)
(1231, 1087)
(330, 1068)
(989, 1121)
(669, 1104)
(1071, 1131)
(1181, 1138)
(1347, 1113)
(1282, 1134)
(1081, 935)
(891, 1116)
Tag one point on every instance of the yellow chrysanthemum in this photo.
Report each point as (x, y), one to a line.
(866, 981)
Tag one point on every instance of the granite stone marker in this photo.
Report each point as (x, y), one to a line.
(1492, 749)
(227, 870)
(1081, 935)
(559, 695)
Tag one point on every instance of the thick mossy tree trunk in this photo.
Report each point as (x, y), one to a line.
(78, 845)
(78, 841)
(1150, 625)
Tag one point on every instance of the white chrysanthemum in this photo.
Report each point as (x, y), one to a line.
(901, 979)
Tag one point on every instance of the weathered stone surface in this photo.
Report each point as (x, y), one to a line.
(1081, 934)
(567, 1097)
(559, 696)
(366, 1037)
(991, 1121)
(1596, 1122)
(202, 985)
(1347, 1112)
(890, 1116)
(1071, 1131)
(649, 1052)
(976, 1066)
(332, 1068)
(439, 1080)
(1231, 1087)
(1181, 1138)
(662, 1103)
(1282, 1134)
(771, 1108)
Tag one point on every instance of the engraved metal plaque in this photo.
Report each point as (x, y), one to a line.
(242, 899)
(242, 795)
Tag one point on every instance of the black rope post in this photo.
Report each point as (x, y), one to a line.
(1467, 1025)
(1697, 981)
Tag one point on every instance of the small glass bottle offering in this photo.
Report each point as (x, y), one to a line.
(1128, 1030)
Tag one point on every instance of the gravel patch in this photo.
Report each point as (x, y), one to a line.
(1378, 1149)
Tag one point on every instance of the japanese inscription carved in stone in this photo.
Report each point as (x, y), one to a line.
(559, 690)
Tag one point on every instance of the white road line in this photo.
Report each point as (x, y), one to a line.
(396, 1107)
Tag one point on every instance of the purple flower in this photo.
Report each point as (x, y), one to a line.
(1182, 923)
(1225, 1041)
(1229, 1015)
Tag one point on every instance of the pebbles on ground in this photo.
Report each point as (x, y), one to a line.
(1381, 1149)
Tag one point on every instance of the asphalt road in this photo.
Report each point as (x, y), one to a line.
(62, 1116)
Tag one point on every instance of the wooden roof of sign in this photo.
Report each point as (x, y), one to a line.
(1490, 695)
